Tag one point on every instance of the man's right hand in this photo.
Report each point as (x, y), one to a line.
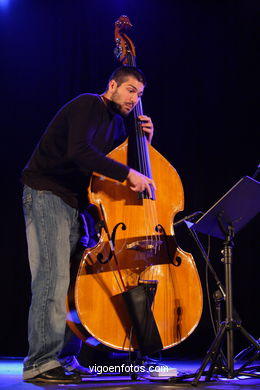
(139, 182)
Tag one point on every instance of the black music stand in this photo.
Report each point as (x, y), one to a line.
(223, 220)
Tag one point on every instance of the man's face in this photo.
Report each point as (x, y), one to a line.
(126, 96)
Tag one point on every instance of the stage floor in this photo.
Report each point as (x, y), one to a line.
(11, 378)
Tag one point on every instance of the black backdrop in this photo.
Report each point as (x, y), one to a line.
(201, 61)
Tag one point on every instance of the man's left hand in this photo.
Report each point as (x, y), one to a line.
(147, 126)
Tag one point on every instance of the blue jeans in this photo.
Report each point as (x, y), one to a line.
(53, 231)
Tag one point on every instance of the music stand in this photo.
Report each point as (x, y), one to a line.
(223, 220)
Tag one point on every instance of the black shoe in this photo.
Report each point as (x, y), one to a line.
(56, 375)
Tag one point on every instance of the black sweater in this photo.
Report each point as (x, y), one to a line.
(73, 146)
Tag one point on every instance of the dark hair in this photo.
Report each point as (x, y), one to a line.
(123, 72)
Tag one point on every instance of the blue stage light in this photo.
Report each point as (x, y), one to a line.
(4, 3)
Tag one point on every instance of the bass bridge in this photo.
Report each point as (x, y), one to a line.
(144, 245)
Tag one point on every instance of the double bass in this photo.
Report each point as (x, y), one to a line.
(136, 247)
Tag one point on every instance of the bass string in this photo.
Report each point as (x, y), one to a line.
(150, 210)
(142, 152)
(149, 205)
(151, 217)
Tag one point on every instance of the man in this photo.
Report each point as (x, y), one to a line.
(55, 180)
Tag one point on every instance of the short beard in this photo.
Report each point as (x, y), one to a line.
(115, 106)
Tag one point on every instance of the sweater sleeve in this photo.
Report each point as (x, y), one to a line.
(81, 150)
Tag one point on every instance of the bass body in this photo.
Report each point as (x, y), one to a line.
(136, 245)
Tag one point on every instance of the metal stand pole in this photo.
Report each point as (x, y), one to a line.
(228, 247)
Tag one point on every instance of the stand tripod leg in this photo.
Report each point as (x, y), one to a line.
(254, 343)
(250, 338)
(212, 353)
(247, 350)
(243, 367)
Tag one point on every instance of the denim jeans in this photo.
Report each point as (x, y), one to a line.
(53, 231)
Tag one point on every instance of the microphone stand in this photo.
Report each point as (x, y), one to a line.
(220, 294)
